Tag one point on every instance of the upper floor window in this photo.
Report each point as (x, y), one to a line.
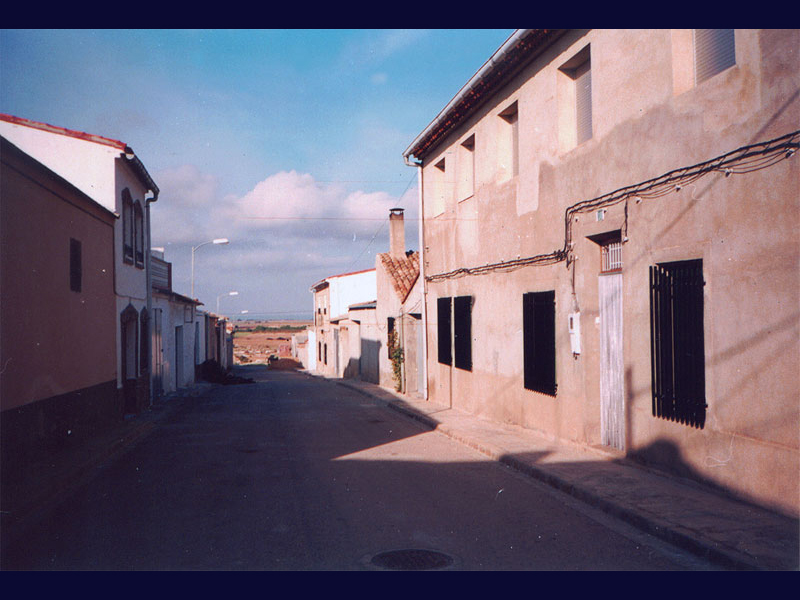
(438, 188)
(138, 234)
(509, 142)
(127, 227)
(466, 168)
(714, 52)
(575, 99)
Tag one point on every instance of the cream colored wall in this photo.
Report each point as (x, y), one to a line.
(647, 120)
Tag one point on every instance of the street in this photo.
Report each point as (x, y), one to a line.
(294, 472)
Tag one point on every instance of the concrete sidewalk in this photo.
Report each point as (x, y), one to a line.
(725, 531)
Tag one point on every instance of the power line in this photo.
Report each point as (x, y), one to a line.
(746, 159)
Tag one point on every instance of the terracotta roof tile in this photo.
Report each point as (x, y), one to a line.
(402, 271)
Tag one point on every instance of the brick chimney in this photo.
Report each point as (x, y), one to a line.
(397, 233)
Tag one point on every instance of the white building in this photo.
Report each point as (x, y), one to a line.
(109, 172)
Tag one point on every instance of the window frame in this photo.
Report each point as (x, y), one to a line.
(539, 342)
(462, 332)
(127, 227)
(677, 342)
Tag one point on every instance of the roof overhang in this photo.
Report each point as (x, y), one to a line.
(522, 47)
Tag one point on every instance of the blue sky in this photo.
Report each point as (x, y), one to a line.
(288, 142)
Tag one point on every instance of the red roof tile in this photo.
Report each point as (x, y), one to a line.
(403, 272)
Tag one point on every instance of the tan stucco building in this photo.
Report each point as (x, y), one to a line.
(610, 248)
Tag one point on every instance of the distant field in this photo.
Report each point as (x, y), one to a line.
(256, 341)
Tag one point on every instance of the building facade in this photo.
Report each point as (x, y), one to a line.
(399, 312)
(109, 172)
(610, 248)
(58, 372)
(332, 298)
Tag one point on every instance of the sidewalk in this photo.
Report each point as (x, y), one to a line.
(724, 531)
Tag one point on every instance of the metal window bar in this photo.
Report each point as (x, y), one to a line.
(677, 342)
(611, 257)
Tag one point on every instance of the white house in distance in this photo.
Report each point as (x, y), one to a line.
(333, 297)
(178, 328)
(110, 173)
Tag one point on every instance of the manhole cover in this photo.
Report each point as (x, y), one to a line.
(412, 560)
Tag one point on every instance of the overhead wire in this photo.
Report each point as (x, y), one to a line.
(746, 159)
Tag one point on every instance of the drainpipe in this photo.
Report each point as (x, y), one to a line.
(149, 198)
(421, 235)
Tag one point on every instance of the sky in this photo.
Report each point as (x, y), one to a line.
(287, 142)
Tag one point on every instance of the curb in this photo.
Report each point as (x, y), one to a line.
(659, 529)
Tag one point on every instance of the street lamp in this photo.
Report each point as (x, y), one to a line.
(216, 241)
(228, 294)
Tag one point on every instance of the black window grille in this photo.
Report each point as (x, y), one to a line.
(677, 342)
(462, 332)
(75, 265)
(443, 330)
(539, 341)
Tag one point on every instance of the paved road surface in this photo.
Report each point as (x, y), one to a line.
(298, 473)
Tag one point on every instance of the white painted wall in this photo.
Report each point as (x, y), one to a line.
(346, 290)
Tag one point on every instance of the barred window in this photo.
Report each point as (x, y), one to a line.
(462, 332)
(539, 341)
(677, 342)
(443, 309)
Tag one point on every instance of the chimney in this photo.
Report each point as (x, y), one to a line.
(397, 233)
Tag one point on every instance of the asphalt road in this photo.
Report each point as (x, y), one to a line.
(299, 473)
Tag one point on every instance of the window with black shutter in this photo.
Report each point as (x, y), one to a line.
(677, 342)
(443, 330)
(714, 52)
(539, 341)
(75, 265)
(462, 332)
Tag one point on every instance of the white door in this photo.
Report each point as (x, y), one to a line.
(612, 417)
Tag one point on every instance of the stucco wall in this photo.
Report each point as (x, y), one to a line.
(54, 340)
(647, 121)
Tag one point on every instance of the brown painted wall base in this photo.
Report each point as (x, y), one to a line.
(31, 432)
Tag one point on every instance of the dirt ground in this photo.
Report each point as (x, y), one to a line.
(254, 342)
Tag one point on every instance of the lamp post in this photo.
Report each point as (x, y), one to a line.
(228, 294)
(216, 241)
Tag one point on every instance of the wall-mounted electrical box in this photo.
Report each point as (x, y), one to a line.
(575, 332)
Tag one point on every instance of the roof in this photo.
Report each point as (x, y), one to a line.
(403, 272)
(176, 296)
(517, 52)
(124, 149)
(363, 305)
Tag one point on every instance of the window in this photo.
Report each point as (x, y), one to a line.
(462, 332)
(438, 188)
(443, 309)
(466, 168)
(576, 102)
(75, 265)
(714, 52)
(127, 227)
(509, 153)
(677, 342)
(138, 234)
(539, 341)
